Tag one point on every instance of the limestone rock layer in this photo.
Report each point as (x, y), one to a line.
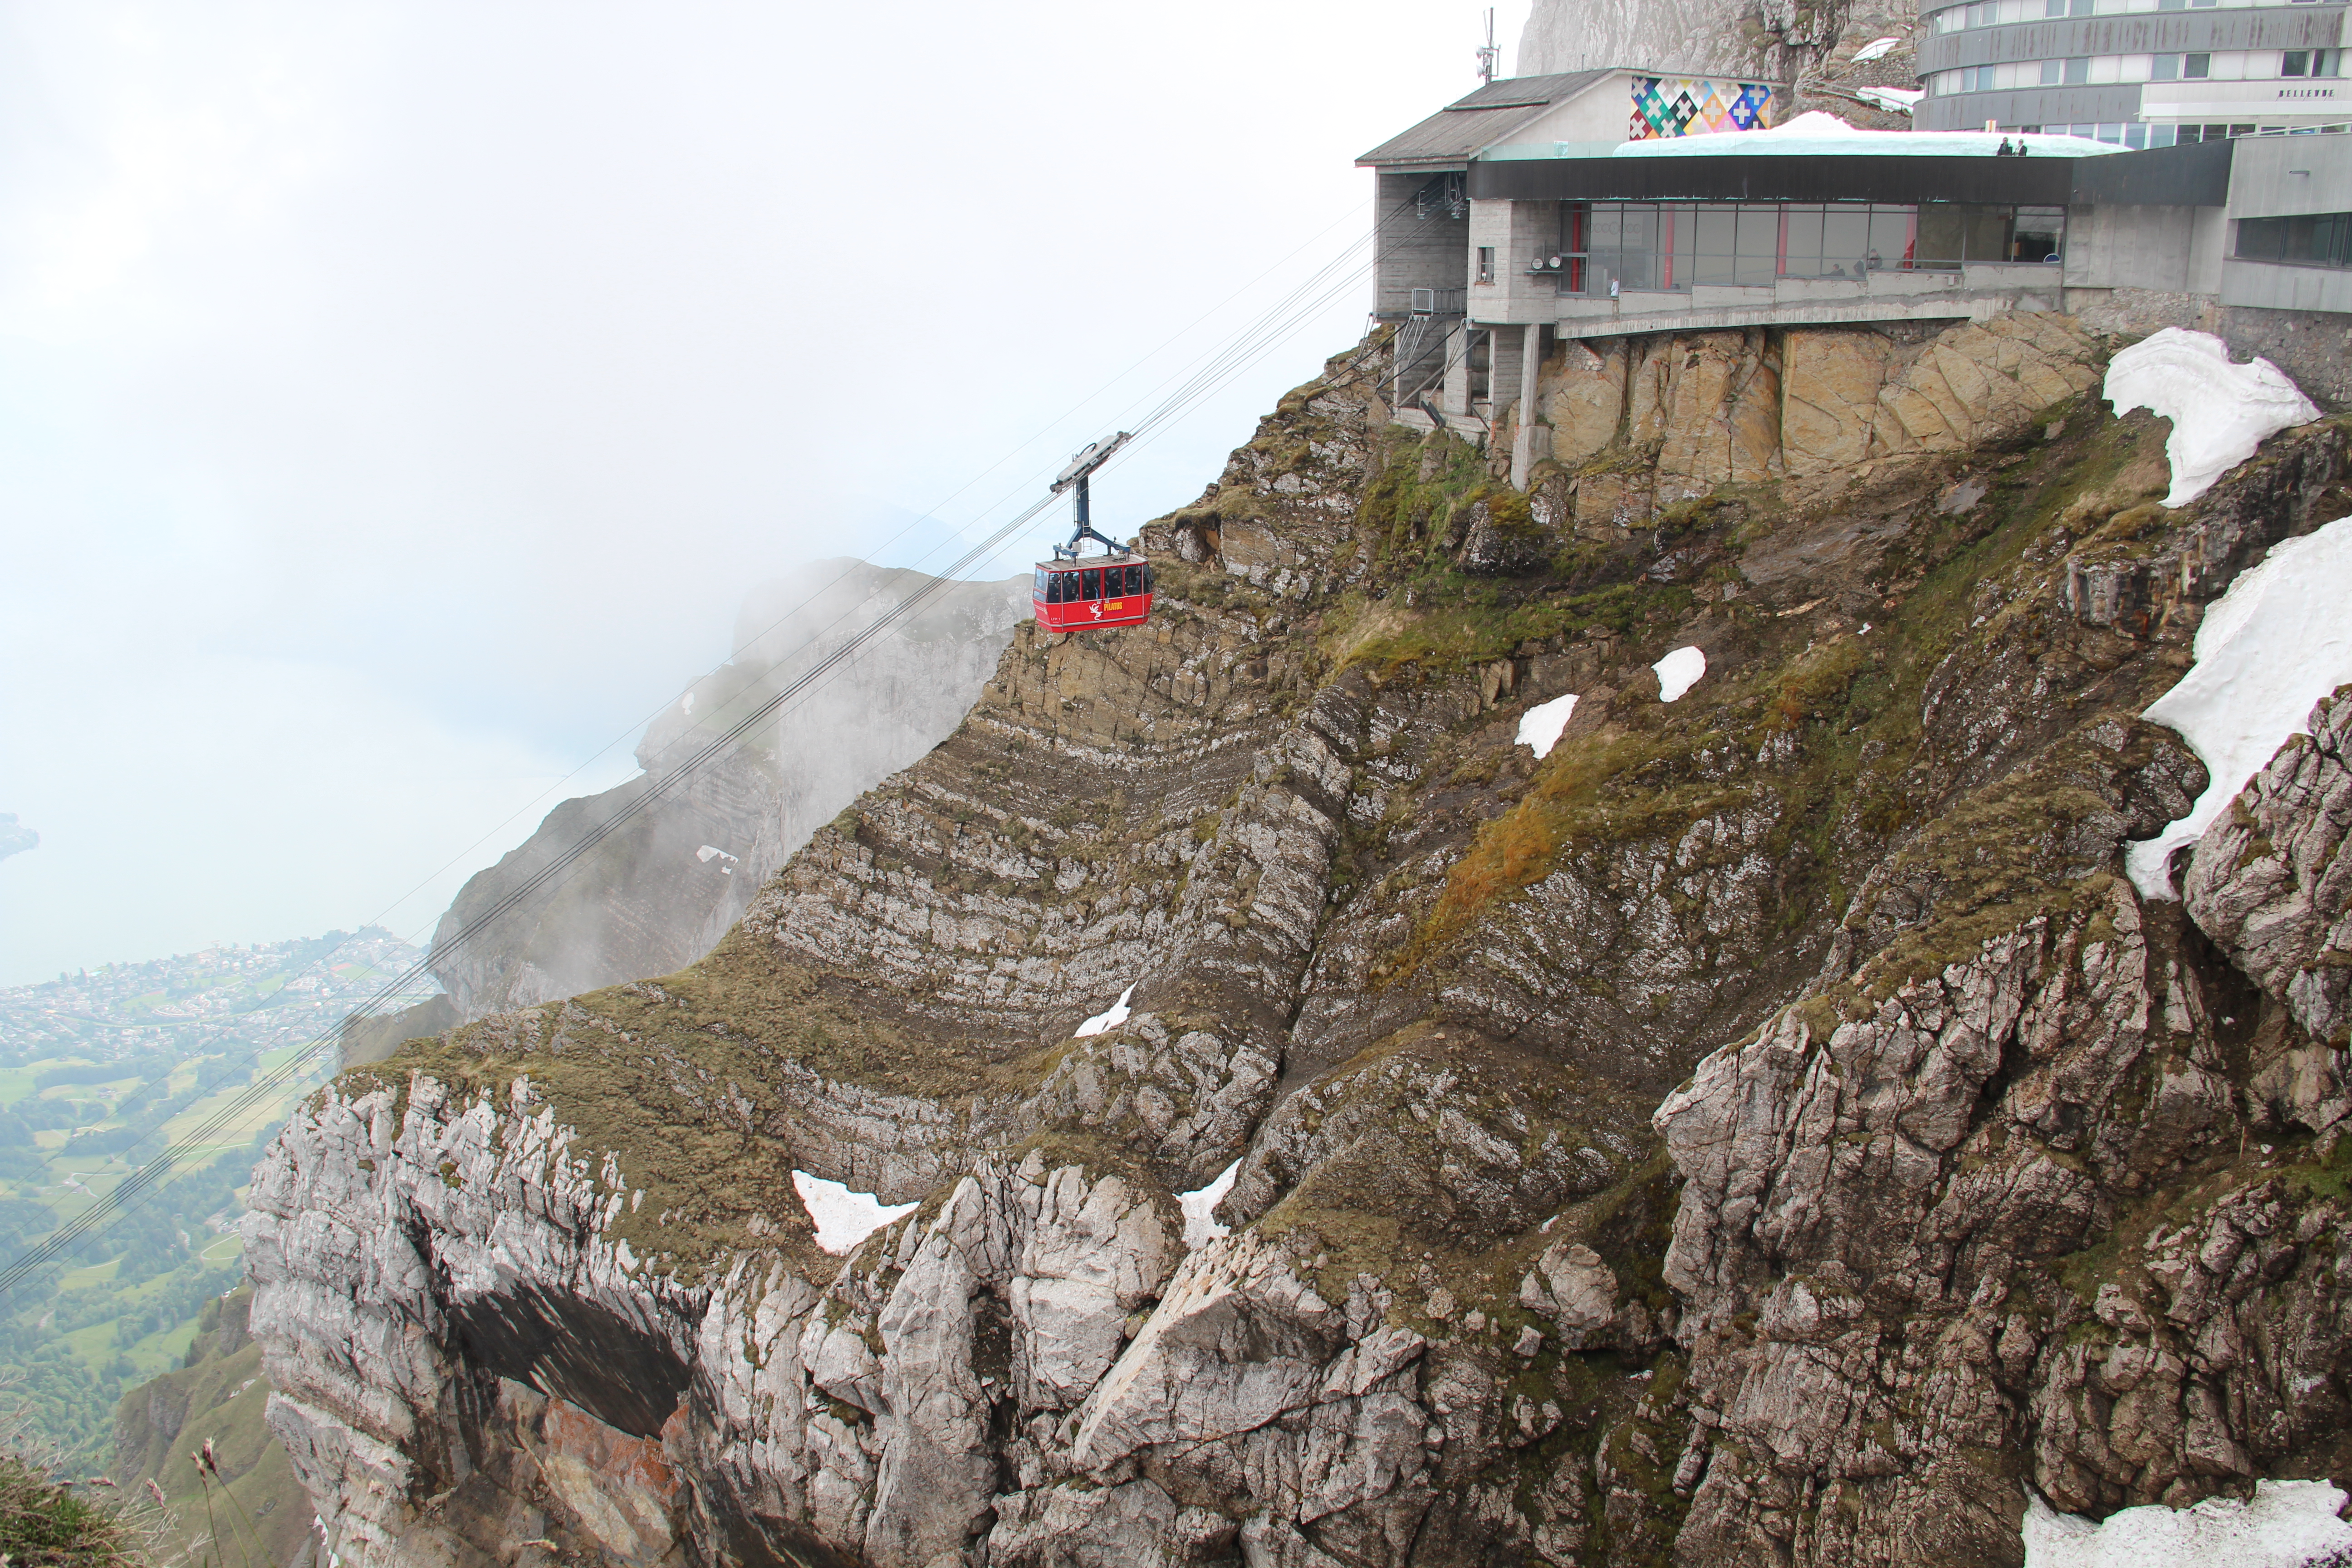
(1765, 1128)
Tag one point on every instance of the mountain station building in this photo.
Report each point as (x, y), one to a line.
(1605, 203)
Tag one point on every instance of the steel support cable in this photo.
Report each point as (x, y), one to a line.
(1242, 355)
(1272, 326)
(152, 1174)
(1269, 331)
(902, 532)
(1279, 320)
(1176, 408)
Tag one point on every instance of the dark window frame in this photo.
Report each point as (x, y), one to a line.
(1671, 246)
(2300, 240)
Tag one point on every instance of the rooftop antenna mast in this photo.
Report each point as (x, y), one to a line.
(1489, 55)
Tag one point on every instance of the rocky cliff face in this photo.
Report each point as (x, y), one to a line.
(657, 893)
(1809, 43)
(1765, 1128)
(1768, 40)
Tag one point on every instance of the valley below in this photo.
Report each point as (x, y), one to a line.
(101, 1071)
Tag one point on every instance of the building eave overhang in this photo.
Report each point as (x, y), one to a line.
(1483, 118)
(2193, 175)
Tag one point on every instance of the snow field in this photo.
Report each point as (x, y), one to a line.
(1110, 1017)
(1200, 1229)
(2267, 651)
(2290, 1524)
(1678, 672)
(844, 1218)
(1818, 133)
(2220, 412)
(1540, 726)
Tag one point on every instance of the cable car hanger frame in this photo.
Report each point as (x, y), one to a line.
(1114, 589)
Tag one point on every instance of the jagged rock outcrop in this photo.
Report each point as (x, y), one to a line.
(1890, 1236)
(2271, 882)
(1765, 1128)
(701, 837)
(1764, 40)
(1741, 407)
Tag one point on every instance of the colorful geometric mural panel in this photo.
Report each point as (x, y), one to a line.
(1697, 106)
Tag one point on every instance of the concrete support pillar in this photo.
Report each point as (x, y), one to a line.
(1503, 359)
(1457, 403)
(1532, 444)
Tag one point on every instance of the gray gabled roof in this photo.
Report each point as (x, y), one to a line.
(1487, 116)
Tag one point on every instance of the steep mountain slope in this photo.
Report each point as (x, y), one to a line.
(216, 1396)
(1522, 1265)
(1809, 43)
(1770, 40)
(657, 893)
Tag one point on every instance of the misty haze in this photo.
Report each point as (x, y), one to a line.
(1380, 786)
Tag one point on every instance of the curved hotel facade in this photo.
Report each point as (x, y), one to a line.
(2142, 73)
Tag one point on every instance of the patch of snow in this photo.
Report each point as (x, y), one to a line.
(843, 1218)
(1539, 726)
(2268, 650)
(1893, 100)
(1110, 1017)
(1875, 50)
(2219, 412)
(2290, 1524)
(710, 852)
(685, 703)
(1200, 1229)
(1818, 133)
(1678, 672)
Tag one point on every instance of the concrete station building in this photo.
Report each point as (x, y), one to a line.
(1601, 204)
(2139, 73)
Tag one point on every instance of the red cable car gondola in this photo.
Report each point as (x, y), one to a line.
(1114, 590)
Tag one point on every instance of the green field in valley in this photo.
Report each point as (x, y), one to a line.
(102, 1073)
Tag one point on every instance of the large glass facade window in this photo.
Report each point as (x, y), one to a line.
(1676, 246)
(1953, 233)
(1846, 240)
(2317, 240)
(1632, 245)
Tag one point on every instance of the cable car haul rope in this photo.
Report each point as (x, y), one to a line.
(1070, 594)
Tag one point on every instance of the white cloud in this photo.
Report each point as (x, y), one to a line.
(382, 385)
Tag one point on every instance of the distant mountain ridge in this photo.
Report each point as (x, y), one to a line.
(657, 894)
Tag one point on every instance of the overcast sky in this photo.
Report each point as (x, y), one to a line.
(396, 399)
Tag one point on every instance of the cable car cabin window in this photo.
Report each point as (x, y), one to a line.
(1044, 585)
(1093, 588)
(1147, 577)
(1053, 594)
